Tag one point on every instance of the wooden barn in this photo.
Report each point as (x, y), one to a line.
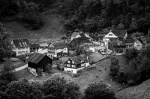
(40, 62)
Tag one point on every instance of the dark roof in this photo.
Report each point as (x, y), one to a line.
(140, 40)
(78, 41)
(36, 57)
(34, 45)
(129, 40)
(120, 38)
(20, 43)
(74, 34)
(119, 33)
(79, 59)
(147, 40)
(59, 44)
(119, 46)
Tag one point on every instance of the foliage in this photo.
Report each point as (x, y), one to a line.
(59, 88)
(23, 90)
(5, 47)
(30, 14)
(22, 57)
(98, 91)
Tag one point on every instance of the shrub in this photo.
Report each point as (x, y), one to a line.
(23, 90)
(59, 88)
(98, 91)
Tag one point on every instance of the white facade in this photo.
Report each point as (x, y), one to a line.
(75, 37)
(52, 52)
(72, 70)
(21, 51)
(138, 45)
(108, 36)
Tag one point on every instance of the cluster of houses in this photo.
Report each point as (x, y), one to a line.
(110, 42)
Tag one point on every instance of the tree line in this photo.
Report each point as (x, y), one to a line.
(138, 66)
(86, 15)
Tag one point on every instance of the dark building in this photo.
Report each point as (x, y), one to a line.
(40, 61)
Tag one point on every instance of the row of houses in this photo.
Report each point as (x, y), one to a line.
(116, 41)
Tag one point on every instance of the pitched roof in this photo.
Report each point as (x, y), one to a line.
(119, 33)
(140, 40)
(34, 45)
(129, 40)
(74, 34)
(79, 59)
(20, 43)
(36, 57)
(59, 44)
(78, 41)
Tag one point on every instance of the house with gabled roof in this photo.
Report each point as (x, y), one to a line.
(79, 34)
(39, 62)
(129, 42)
(56, 48)
(20, 46)
(76, 63)
(115, 34)
(138, 44)
(77, 42)
(34, 47)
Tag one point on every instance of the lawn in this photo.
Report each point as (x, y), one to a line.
(98, 74)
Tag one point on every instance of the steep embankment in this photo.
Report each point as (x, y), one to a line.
(53, 29)
(141, 91)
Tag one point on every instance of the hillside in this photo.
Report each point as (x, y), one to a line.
(53, 29)
(137, 92)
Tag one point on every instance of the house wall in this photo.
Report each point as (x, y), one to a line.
(20, 51)
(72, 70)
(53, 52)
(138, 45)
(44, 62)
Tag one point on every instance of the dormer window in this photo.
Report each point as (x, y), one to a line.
(20, 44)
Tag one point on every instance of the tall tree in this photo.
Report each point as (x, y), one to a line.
(5, 46)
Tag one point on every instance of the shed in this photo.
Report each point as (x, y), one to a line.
(39, 61)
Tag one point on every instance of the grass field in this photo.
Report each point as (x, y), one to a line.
(53, 29)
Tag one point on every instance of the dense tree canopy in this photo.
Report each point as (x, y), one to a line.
(98, 91)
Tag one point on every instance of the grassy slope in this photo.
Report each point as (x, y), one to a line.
(53, 29)
(141, 91)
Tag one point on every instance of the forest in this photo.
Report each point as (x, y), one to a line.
(86, 15)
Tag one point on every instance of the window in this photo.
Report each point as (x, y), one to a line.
(110, 34)
(73, 66)
(68, 65)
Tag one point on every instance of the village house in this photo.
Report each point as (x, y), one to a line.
(76, 63)
(119, 47)
(20, 46)
(96, 46)
(43, 45)
(138, 44)
(78, 42)
(79, 34)
(129, 42)
(114, 34)
(57, 48)
(34, 47)
(39, 63)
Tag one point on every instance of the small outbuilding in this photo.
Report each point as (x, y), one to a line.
(40, 63)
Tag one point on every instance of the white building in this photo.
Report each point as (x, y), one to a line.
(21, 46)
(75, 64)
(56, 48)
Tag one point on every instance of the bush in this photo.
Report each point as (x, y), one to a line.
(23, 90)
(98, 91)
(59, 88)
